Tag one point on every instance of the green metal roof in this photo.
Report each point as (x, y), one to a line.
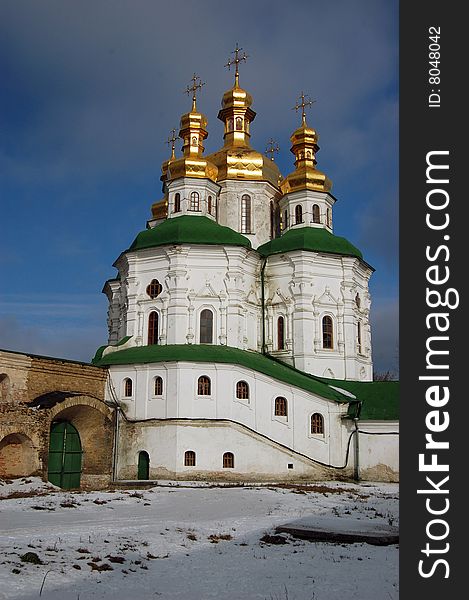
(380, 399)
(221, 354)
(188, 229)
(314, 239)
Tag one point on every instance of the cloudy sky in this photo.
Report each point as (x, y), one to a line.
(89, 93)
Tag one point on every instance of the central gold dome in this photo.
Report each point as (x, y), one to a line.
(237, 160)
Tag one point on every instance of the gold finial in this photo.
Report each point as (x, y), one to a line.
(304, 104)
(171, 140)
(237, 59)
(197, 84)
(271, 148)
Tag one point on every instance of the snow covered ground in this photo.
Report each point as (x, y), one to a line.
(194, 543)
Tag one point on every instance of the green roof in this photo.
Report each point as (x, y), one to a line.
(380, 399)
(221, 354)
(314, 239)
(188, 229)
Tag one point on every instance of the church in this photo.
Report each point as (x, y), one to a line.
(239, 341)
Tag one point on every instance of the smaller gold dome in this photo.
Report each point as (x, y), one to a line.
(236, 97)
(305, 176)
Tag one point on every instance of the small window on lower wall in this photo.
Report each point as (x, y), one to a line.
(158, 386)
(228, 460)
(317, 424)
(281, 407)
(189, 458)
(242, 390)
(128, 387)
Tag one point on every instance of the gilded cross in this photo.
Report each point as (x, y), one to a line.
(235, 61)
(171, 140)
(304, 104)
(197, 84)
(272, 147)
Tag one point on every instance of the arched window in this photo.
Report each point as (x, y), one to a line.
(230, 124)
(285, 219)
(316, 214)
(327, 332)
(245, 213)
(209, 205)
(281, 407)
(127, 387)
(329, 217)
(359, 337)
(298, 214)
(308, 153)
(194, 140)
(242, 390)
(152, 328)
(228, 460)
(189, 458)
(272, 220)
(203, 386)
(194, 201)
(206, 326)
(158, 386)
(239, 123)
(280, 333)
(357, 300)
(317, 423)
(154, 288)
(177, 202)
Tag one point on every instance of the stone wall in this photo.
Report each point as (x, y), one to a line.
(35, 392)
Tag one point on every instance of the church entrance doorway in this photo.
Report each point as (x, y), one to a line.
(65, 454)
(143, 471)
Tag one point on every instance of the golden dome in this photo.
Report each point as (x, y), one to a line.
(305, 177)
(237, 160)
(193, 130)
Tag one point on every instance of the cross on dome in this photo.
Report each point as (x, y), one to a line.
(171, 140)
(304, 104)
(237, 59)
(197, 84)
(271, 148)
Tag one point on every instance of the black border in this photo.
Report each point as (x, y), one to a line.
(423, 129)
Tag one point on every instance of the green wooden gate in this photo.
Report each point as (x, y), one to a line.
(143, 465)
(64, 456)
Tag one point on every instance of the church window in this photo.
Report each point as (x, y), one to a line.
(177, 202)
(308, 153)
(154, 288)
(242, 390)
(203, 386)
(281, 407)
(128, 387)
(245, 214)
(189, 458)
(317, 424)
(209, 205)
(228, 460)
(327, 332)
(206, 326)
(158, 386)
(194, 201)
(194, 141)
(329, 217)
(285, 219)
(316, 215)
(230, 124)
(153, 328)
(298, 214)
(280, 333)
(357, 300)
(359, 337)
(239, 123)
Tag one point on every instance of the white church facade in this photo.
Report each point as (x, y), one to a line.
(239, 334)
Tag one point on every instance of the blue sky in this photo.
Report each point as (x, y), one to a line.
(90, 92)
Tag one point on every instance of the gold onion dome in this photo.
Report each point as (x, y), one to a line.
(304, 146)
(237, 160)
(193, 131)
